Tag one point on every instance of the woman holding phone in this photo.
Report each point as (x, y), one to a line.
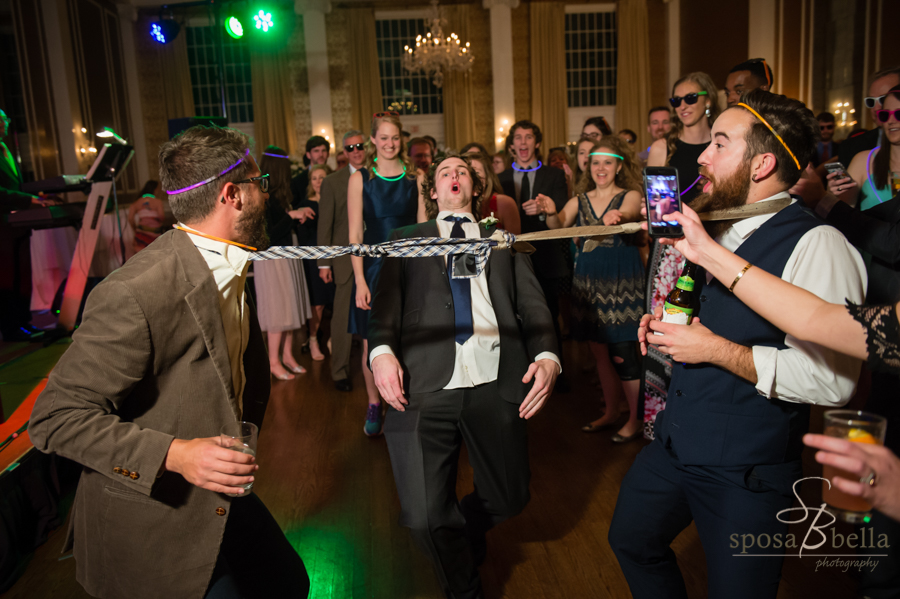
(869, 180)
(608, 284)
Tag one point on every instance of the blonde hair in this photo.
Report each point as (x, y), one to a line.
(628, 177)
(312, 169)
(706, 84)
(371, 151)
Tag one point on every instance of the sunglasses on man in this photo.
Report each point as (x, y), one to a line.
(870, 102)
(689, 99)
(355, 147)
(884, 115)
(263, 181)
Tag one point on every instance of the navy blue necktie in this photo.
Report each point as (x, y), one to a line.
(460, 288)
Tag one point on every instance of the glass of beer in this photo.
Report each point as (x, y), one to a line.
(859, 427)
(895, 183)
(241, 437)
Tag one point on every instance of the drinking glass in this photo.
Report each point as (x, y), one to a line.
(242, 437)
(895, 183)
(859, 427)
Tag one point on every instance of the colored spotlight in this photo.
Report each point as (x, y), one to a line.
(234, 28)
(263, 21)
(156, 33)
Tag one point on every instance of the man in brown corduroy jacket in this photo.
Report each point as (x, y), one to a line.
(168, 352)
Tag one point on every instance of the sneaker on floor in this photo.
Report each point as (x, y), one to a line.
(374, 421)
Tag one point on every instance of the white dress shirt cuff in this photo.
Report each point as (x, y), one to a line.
(765, 360)
(549, 355)
(321, 267)
(378, 351)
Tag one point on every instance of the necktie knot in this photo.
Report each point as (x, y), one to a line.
(456, 219)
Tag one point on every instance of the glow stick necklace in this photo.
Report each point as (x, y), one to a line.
(527, 170)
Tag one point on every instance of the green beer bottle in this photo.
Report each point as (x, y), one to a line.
(679, 306)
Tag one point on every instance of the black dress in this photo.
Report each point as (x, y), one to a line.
(685, 160)
(320, 292)
(882, 335)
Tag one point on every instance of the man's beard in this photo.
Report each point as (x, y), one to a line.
(251, 227)
(727, 193)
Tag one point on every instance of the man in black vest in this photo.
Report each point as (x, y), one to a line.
(728, 444)
(466, 350)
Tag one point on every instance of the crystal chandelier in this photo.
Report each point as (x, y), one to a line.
(435, 53)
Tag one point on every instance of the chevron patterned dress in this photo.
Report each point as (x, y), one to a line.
(608, 285)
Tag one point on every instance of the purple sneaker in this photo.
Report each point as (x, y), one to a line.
(374, 421)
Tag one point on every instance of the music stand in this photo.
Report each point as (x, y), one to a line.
(110, 162)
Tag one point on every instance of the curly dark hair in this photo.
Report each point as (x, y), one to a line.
(792, 120)
(428, 185)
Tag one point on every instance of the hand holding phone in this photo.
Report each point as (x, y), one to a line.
(662, 197)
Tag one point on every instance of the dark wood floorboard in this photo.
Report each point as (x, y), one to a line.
(332, 491)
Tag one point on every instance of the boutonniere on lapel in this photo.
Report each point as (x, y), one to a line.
(489, 222)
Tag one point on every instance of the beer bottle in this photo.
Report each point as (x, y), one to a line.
(679, 306)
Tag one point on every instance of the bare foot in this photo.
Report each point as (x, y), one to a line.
(280, 373)
(314, 350)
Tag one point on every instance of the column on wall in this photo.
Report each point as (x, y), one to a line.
(502, 65)
(314, 12)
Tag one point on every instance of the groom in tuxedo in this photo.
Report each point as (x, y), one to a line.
(436, 356)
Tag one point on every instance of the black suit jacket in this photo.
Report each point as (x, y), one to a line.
(548, 258)
(861, 143)
(412, 313)
(11, 198)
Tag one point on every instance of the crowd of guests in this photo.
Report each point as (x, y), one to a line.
(774, 340)
(598, 295)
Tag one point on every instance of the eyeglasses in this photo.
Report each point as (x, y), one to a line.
(871, 101)
(355, 147)
(884, 115)
(689, 99)
(263, 181)
(379, 115)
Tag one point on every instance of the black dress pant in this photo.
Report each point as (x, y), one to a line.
(659, 498)
(424, 443)
(255, 559)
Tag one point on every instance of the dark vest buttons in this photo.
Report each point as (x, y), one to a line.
(678, 392)
(449, 305)
(220, 511)
(702, 298)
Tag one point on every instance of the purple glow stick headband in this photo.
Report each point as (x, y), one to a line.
(276, 155)
(211, 179)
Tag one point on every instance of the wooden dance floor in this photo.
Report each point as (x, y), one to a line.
(331, 489)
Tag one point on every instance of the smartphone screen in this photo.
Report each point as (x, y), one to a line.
(662, 198)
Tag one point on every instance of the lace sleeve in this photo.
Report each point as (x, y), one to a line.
(882, 335)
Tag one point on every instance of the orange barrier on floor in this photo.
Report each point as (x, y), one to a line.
(22, 444)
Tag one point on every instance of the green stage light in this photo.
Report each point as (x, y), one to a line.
(234, 28)
(263, 21)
